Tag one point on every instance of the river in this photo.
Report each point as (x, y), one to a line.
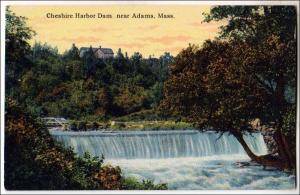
(185, 160)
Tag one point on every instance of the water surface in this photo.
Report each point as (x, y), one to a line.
(185, 160)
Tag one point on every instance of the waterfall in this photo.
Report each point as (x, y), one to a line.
(157, 144)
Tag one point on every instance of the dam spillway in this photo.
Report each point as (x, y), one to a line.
(157, 144)
(184, 159)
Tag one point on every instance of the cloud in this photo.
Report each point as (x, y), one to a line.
(150, 27)
(130, 45)
(166, 40)
(208, 26)
(99, 29)
(195, 23)
(173, 50)
(80, 39)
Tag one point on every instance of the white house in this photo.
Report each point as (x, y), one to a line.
(101, 53)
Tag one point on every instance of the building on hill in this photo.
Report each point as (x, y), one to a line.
(101, 53)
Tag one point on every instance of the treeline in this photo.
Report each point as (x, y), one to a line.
(71, 86)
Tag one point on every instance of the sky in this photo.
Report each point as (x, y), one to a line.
(147, 36)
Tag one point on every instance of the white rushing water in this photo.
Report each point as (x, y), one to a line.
(206, 173)
(183, 159)
(157, 144)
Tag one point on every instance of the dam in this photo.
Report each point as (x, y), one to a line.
(184, 159)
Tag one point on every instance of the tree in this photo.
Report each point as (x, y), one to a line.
(34, 161)
(74, 69)
(136, 60)
(72, 53)
(120, 63)
(43, 51)
(129, 99)
(164, 61)
(271, 32)
(17, 49)
(90, 61)
(230, 82)
(255, 23)
(184, 91)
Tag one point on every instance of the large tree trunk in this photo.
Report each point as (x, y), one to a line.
(240, 138)
(279, 109)
(263, 160)
(284, 151)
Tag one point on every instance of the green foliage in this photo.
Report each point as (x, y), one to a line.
(82, 125)
(255, 22)
(73, 86)
(221, 87)
(73, 126)
(167, 125)
(131, 183)
(73, 89)
(217, 86)
(143, 115)
(290, 129)
(43, 51)
(72, 54)
(269, 33)
(95, 125)
(130, 99)
(17, 48)
(34, 161)
(152, 125)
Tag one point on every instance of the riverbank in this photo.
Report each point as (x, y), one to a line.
(129, 125)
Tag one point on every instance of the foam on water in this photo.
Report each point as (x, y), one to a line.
(185, 160)
(206, 173)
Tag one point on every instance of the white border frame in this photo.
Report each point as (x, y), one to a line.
(81, 3)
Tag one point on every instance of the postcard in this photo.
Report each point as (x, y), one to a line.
(149, 97)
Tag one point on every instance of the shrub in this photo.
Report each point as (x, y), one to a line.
(122, 125)
(109, 178)
(73, 126)
(82, 126)
(131, 183)
(34, 161)
(289, 126)
(95, 125)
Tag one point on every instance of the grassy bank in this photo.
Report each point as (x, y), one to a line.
(129, 125)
